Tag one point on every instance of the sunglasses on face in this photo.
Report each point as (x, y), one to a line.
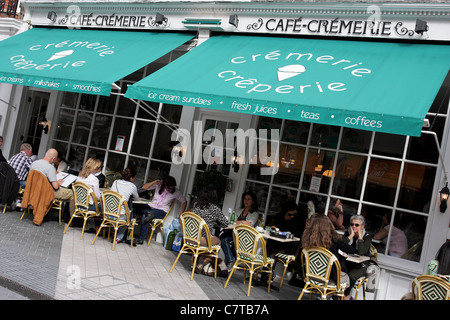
(354, 224)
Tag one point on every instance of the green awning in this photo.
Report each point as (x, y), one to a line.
(376, 86)
(86, 61)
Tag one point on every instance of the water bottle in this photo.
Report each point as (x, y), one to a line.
(232, 216)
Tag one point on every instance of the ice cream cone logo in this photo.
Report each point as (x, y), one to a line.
(290, 71)
(61, 54)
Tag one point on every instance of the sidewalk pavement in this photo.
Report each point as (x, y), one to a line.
(41, 262)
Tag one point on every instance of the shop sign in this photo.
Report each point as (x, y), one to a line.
(334, 26)
(77, 19)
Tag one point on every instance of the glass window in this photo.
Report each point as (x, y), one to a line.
(349, 175)
(172, 113)
(76, 157)
(121, 133)
(295, 132)
(101, 131)
(416, 188)
(64, 127)
(392, 145)
(116, 162)
(290, 166)
(158, 170)
(107, 104)
(148, 110)
(356, 140)
(382, 179)
(141, 167)
(423, 149)
(88, 102)
(126, 107)
(83, 127)
(278, 197)
(325, 136)
(142, 139)
(318, 162)
(69, 100)
(163, 149)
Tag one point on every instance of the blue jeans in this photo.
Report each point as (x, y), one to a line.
(227, 245)
(148, 215)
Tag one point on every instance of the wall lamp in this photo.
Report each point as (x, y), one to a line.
(45, 124)
(234, 20)
(177, 149)
(421, 26)
(443, 194)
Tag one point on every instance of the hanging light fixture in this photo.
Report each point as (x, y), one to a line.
(443, 194)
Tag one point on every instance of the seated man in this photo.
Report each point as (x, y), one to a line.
(45, 166)
(21, 163)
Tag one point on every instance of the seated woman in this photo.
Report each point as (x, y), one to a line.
(398, 243)
(248, 216)
(336, 213)
(206, 207)
(440, 266)
(87, 176)
(128, 190)
(288, 219)
(165, 193)
(321, 233)
(362, 242)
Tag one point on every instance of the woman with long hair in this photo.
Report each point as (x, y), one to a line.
(248, 216)
(440, 266)
(165, 193)
(320, 232)
(87, 176)
(206, 207)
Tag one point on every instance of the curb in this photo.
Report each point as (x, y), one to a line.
(23, 290)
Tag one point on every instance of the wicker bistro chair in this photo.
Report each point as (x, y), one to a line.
(286, 259)
(112, 203)
(427, 287)
(362, 281)
(318, 263)
(155, 223)
(246, 241)
(82, 193)
(110, 177)
(191, 227)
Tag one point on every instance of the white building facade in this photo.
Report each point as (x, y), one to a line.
(376, 174)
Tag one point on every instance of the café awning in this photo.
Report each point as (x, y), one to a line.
(376, 86)
(85, 61)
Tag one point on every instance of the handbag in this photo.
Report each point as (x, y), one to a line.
(174, 225)
(176, 246)
(170, 239)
